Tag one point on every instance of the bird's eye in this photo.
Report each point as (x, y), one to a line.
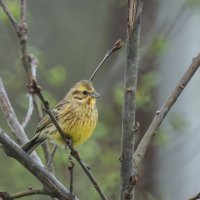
(85, 92)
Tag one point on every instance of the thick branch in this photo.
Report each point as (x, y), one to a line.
(51, 184)
(130, 83)
(160, 115)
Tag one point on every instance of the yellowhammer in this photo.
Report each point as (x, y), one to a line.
(76, 114)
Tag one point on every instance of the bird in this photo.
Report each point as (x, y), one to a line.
(76, 114)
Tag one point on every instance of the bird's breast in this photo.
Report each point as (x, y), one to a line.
(79, 126)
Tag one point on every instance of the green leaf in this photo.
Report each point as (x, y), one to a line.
(159, 45)
(178, 122)
(192, 3)
(57, 75)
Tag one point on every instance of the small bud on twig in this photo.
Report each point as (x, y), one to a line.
(118, 44)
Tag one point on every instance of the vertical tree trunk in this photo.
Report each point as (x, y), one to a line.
(129, 107)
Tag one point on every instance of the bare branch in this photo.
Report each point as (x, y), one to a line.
(49, 164)
(29, 192)
(118, 44)
(160, 115)
(22, 12)
(71, 169)
(51, 184)
(129, 107)
(195, 197)
(34, 88)
(29, 112)
(12, 120)
(33, 62)
(11, 117)
(9, 15)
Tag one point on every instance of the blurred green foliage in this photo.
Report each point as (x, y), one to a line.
(158, 45)
(192, 3)
(13, 6)
(177, 123)
(146, 84)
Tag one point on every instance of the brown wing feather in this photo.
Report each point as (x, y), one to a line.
(46, 120)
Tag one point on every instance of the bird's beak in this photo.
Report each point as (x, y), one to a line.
(95, 95)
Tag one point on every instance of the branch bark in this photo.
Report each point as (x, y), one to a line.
(12, 120)
(29, 192)
(160, 115)
(130, 83)
(51, 184)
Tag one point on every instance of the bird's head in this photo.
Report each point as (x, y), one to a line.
(83, 93)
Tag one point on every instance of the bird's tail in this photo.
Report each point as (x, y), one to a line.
(31, 145)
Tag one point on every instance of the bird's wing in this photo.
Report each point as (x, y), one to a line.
(46, 120)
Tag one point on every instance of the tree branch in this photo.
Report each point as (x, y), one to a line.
(195, 197)
(21, 31)
(51, 184)
(160, 115)
(118, 44)
(130, 83)
(11, 117)
(12, 120)
(29, 112)
(29, 192)
(9, 15)
(22, 12)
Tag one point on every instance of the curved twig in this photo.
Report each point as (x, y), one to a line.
(29, 192)
(118, 44)
(29, 112)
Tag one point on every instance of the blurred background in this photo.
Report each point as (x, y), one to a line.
(69, 39)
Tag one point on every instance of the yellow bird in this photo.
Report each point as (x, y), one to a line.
(76, 114)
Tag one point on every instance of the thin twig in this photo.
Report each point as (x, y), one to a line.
(34, 88)
(9, 15)
(22, 12)
(38, 107)
(49, 165)
(29, 112)
(29, 192)
(195, 197)
(160, 115)
(118, 44)
(33, 63)
(71, 169)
